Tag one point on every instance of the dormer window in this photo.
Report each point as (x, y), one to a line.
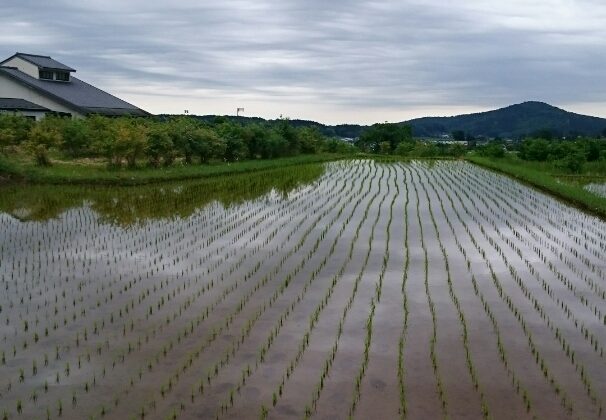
(58, 75)
(62, 76)
(46, 75)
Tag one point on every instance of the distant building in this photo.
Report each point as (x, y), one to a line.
(34, 85)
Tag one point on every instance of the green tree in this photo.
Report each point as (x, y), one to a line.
(422, 149)
(338, 146)
(535, 149)
(7, 138)
(101, 138)
(593, 150)
(287, 132)
(76, 137)
(457, 150)
(42, 137)
(394, 134)
(404, 148)
(574, 162)
(181, 132)
(207, 144)
(159, 146)
(235, 149)
(494, 149)
(310, 139)
(458, 135)
(560, 149)
(18, 125)
(384, 148)
(129, 142)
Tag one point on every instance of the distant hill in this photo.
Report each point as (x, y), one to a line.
(514, 121)
(341, 130)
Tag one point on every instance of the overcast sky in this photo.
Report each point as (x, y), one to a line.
(333, 61)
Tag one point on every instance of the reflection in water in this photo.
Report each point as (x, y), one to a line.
(597, 189)
(127, 205)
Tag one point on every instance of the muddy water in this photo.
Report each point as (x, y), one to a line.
(284, 295)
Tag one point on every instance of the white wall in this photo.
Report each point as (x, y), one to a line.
(25, 66)
(12, 89)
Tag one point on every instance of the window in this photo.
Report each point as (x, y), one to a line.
(62, 76)
(45, 74)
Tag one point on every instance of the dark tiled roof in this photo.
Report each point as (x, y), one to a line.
(76, 94)
(20, 104)
(43, 61)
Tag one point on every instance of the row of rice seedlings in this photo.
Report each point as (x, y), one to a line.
(323, 303)
(566, 347)
(129, 345)
(515, 381)
(243, 258)
(46, 334)
(248, 371)
(64, 296)
(562, 303)
(156, 242)
(376, 299)
(539, 360)
(236, 343)
(539, 251)
(86, 333)
(80, 284)
(78, 364)
(584, 238)
(577, 263)
(588, 335)
(561, 246)
(434, 336)
(216, 331)
(403, 410)
(453, 296)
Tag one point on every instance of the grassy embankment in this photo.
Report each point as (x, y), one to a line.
(66, 172)
(548, 178)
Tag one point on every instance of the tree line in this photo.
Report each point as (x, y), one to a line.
(397, 139)
(568, 155)
(161, 141)
(164, 140)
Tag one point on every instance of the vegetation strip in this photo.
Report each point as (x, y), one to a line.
(76, 175)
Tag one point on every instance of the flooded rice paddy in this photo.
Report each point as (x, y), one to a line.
(597, 189)
(405, 290)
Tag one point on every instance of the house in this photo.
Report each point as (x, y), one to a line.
(22, 107)
(33, 85)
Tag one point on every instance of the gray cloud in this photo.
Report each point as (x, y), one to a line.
(341, 60)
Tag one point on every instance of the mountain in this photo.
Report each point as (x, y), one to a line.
(514, 121)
